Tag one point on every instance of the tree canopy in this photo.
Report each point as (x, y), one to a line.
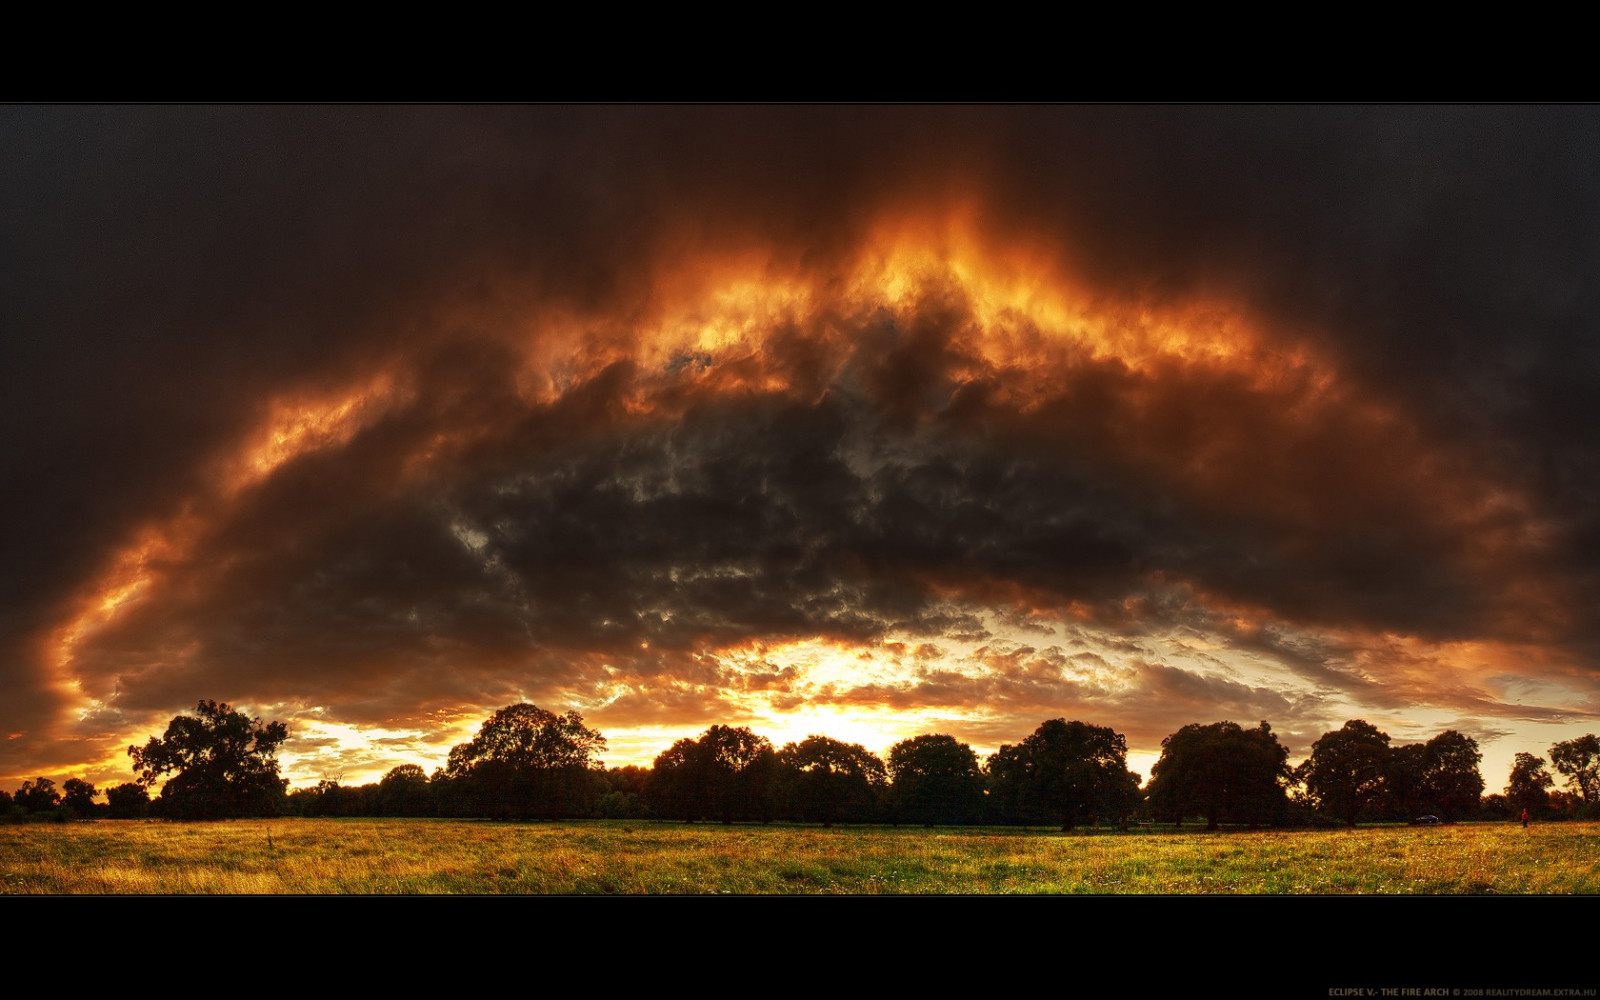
(38, 795)
(404, 791)
(935, 779)
(526, 735)
(1452, 785)
(830, 781)
(727, 774)
(223, 764)
(675, 779)
(1067, 773)
(1529, 785)
(527, 762)
(1222, 772)
(1578, 761)
(129, 800)
(1345, 772)
(78, 795)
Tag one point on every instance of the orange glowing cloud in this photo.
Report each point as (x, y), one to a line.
(302, 423)
(938, 329)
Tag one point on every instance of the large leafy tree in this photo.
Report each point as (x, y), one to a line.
(404, 791)
(1452, 785)
(1067, 773)
(223, 763)
(831, 782)
(78, 795)
(129, 800)
(726, 774)
(1440, 776)
(1403, 781)
(935, 779)
(673, 788)
(1223, 772)
(526, 762)
(1345, 772)
(38, 795)
(1579, 762)
(1529, 785)
(742, 768)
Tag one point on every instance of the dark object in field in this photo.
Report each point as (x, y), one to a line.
(1427, 820)
(224, 765)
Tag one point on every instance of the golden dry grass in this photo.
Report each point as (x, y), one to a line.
(447, 856)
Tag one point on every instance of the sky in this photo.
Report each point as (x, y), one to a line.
(860, 421)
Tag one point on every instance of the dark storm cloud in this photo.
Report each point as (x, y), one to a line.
(165, 273)
(577, 531)
(734, 523)
(1439, 251)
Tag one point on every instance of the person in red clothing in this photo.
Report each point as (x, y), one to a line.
(1524, 818)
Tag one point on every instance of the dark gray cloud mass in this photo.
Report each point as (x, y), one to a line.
(498, 474)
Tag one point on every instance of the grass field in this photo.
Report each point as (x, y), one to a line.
(447, 856)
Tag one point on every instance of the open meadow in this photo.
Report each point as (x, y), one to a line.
(592, 857)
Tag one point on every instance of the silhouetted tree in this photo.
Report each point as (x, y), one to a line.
(128, 801)
(726, 774)
(935, 779)
(1067, 773)
(1578, 761)
(38, 795)
(404, 791)
(223, 764)
(1529, 785)
(831, 782)
(1440, 776)
(1403, 781)
(1222, 772)
(674, 789)
(78, 795)
(1345, 771)
(1452, 785)
(742, 769)
(451, 794)
(526, 762)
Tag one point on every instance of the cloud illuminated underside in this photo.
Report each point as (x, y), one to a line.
(937, 482)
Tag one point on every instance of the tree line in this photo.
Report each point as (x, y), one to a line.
(529, 763)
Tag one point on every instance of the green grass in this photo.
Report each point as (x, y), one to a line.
(448, 856)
